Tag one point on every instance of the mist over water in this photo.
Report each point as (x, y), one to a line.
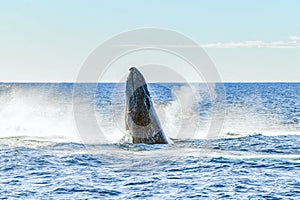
(185, 110)
(255, 155)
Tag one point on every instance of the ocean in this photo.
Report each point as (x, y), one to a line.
(230, 141)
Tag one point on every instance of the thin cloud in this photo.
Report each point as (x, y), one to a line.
(293, 42)
(294, 38)
(290, 43)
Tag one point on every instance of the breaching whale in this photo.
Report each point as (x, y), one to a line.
(140, 117)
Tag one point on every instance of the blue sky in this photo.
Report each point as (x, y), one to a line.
(247, 40)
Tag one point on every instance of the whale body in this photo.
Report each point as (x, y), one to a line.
(140, 117)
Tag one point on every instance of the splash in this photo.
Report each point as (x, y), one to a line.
(38, 112)
(44, 111)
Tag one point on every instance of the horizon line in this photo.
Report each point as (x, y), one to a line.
(91, 82)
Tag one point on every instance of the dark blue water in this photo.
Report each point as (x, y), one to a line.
(256, 155)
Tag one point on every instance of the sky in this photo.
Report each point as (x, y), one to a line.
(248, 41)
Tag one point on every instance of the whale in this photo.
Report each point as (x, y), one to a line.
(141, 119)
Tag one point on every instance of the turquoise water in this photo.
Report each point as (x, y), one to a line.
(256, 154)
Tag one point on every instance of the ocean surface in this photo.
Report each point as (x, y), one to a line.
(230, 141)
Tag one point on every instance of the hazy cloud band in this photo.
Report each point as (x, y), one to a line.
(292, 42)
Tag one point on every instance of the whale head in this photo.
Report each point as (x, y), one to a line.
(138, 98)
(140, 116)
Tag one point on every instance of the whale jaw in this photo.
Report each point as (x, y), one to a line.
(140, 117)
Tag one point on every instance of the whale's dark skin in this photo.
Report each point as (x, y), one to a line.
(140, 117)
